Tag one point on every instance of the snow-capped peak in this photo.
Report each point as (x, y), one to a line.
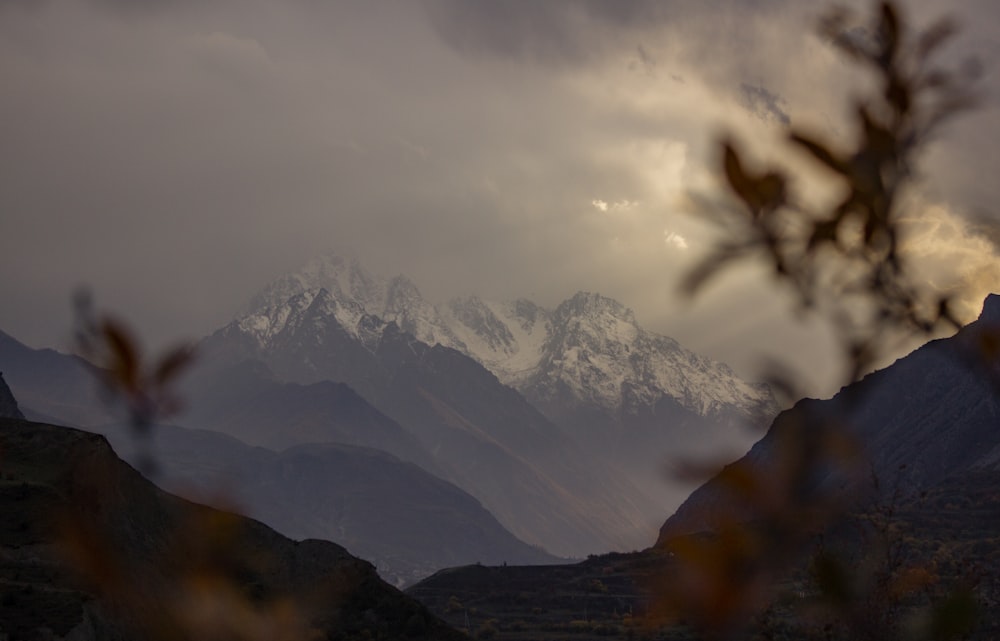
(590, 348)
(344, 278)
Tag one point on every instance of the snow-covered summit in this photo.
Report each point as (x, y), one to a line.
(344, 278)
(589, 350)
(353, 293)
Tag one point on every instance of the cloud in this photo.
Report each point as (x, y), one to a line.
(952, 255)
(619, 205)
(673, 239)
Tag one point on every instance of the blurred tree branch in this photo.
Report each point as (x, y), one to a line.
(843, 260)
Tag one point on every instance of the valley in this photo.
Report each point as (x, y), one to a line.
(391, 473)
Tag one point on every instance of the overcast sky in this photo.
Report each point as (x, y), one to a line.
(176, 155)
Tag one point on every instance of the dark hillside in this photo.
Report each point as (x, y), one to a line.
(8, 404)
(90, 549)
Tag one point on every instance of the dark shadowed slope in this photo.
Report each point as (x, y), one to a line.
(933, 416)
(8, 404)
(90, 549)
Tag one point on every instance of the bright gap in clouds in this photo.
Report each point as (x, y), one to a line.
(620, 205)
(673, 239)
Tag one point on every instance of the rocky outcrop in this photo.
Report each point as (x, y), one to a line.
(8, 404)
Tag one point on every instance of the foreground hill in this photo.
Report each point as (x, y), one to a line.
(91, 550)
(933, 417)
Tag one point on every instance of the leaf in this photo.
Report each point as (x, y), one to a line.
(123, 354)
(824, 232)
(955, 616)
(888, 30)
(820, 152)
(771, 189)
(935, 36)
(172, 363)
(760, 194)
(898, 94)
(741, 480)
(833, 579)
(739, 181)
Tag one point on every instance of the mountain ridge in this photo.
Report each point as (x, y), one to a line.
(932, 414)
(95, 552)
(632, 400)
(520, 341)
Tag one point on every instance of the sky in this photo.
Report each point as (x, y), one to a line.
(174, 156)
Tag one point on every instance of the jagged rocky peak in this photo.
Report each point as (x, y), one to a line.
(601, 318)
(8, 404)
(473, 313)
(527, 312)
(588, 303)
(344, 278)
(590, 343)
(991, 310)
(401, 296)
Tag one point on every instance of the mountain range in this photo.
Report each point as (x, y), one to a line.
(924, 428)
(593, 386)
(557, 421)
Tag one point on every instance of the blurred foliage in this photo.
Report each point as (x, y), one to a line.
(844, 262)
(145, 389)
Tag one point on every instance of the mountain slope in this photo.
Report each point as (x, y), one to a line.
(484, 436)
(931, 417)
(47, 383)
(437, 525)
(629, 402)
(97, 552)
(392, 513)
(245, 400)
(8, 404)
